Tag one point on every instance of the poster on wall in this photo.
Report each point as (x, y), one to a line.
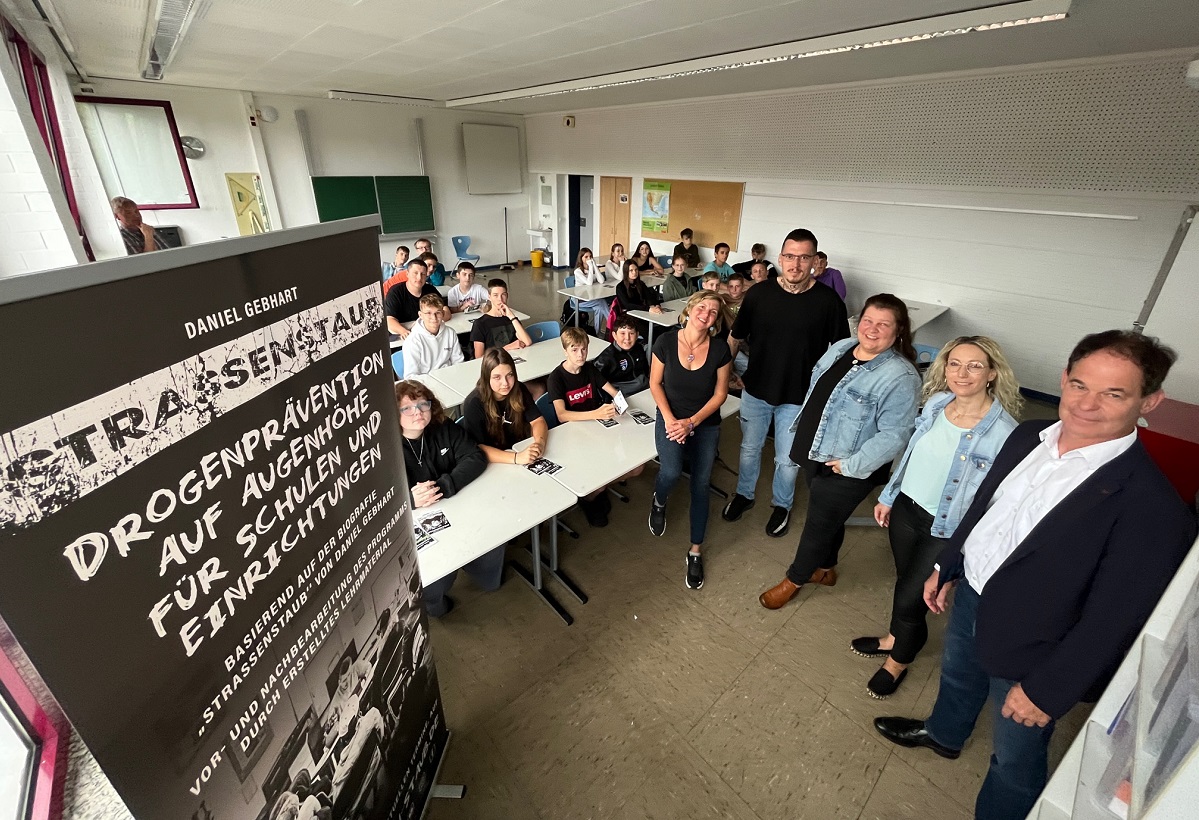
(655, 208)
(206, 543)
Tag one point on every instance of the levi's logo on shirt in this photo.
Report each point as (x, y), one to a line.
(578, 396)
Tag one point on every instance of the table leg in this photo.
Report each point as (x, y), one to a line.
(650, 344)
(562, 577)
(533, 578)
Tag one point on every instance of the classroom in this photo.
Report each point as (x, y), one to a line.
(972, 180)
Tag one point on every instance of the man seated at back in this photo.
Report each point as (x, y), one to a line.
(687, 248)
(758, 272)
(436, 271)
(136, 234)
(396, 271)
(431, 344)
(624, 363)
(757, 253)
(402, 303)
(498, 327)
(825, 275)
(721, 263)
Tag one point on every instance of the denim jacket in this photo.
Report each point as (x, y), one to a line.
(975, 454)
(870, 413)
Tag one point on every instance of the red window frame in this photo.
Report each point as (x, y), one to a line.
(46, 790)
(193, 201)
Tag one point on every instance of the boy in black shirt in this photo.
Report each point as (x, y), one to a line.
(402, 303)
(687, 250)
(498, 327)
(624, 363)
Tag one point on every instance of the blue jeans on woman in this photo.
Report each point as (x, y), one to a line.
(699, 451)
(1020, 754)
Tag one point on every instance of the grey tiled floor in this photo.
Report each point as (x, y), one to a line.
(660, 702)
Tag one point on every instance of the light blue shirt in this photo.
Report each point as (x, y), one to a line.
(928, 468)
(725, 270)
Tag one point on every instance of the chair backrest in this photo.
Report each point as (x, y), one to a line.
(569, 281)
(544, 330)
(397, 364)
(665, 260)
(461, 244)
(926, 353)
(546, 405)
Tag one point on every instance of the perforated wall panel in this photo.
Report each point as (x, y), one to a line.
(1130, 127)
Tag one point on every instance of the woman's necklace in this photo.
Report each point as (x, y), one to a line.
(957, 415)
(420, 459)
(691, 348)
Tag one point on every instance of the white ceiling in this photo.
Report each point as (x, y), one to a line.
(461, 48)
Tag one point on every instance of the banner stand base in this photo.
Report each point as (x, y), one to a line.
(448, 792)
(440, 791)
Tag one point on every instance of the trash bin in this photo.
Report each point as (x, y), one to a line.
(538, 258)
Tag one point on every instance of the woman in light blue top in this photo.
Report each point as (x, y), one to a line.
(971, 400)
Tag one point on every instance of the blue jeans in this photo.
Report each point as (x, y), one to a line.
(1019, 759)
(755, 423)
(699, 452)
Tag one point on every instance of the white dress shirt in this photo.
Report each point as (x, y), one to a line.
(1036, 486)
(424, 352)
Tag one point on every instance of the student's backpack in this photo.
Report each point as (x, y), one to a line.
(567, 319)
(615, 315)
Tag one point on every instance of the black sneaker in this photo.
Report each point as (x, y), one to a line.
(657, 517)
(779, 523)
(695, 571)
(737, 505)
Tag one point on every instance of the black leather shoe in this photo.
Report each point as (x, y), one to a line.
(882, 685)
(912, 734)
(868, 647)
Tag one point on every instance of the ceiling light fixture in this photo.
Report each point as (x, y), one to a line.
(167, 24)
(390, 99)
(1004, 16)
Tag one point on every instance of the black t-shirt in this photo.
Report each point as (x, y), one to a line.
(744, 268)
(402, 305)
(580, 391)
(637, 296)
(787, 334)
(617, 365)
(493, 331)
(648, 264)
(476, 422)
(690, 254)
(688, 391)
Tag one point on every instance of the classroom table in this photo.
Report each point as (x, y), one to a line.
(524, 500)
(459, 323)
(668, 318)
(607, 290)
(538, 360)
(921, 313)
(446, 395)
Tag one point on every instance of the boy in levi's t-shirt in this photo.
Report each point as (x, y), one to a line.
(581, 393)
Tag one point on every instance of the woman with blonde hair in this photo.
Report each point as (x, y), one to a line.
(689, 380)
(971, 403)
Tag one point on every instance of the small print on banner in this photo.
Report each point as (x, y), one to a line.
(543, 466)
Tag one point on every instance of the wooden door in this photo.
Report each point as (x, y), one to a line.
(615, 194)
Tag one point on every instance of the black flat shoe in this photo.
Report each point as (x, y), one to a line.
(882, 685)
(912, 734)
(868, 648)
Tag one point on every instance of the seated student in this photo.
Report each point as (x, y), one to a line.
(758, 272)
(633, 294)
(498, 326)
(686, 249)
(402, 303)
(431, 344)
(678, 283)
(440, 459)
(711, 281)
(614, 267)
(720, 264)
(436, 271)
(578, 390)
(624, 363)
(501, 411)
(466, 295)
(757, 253)
(586, 273)
(423, 246)
(646, 261)
(735, 289)
(396, 271)
(825, 275)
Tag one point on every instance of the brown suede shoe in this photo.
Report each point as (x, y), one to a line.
(778, 595)
(824, 577)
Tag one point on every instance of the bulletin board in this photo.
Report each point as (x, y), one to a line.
(711, 209)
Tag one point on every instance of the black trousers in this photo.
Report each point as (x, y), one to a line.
(915, 550)
(832, 498)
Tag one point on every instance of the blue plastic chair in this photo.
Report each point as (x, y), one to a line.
(397, 364)
(665, 261)
(544, 330)
(461, 246)
(925, 354)
(546, 406)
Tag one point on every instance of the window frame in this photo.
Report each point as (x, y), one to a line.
(165, 105)
(50, 753)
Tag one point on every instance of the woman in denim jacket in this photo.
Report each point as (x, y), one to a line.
(855, 420)
(971, 399)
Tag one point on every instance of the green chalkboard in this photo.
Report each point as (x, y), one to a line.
(405, 204)
(344, 197)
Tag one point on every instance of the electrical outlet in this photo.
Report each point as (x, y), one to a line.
(568, 121)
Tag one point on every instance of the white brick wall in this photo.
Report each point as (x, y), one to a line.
(36, 230)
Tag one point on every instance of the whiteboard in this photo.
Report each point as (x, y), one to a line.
(492, 158)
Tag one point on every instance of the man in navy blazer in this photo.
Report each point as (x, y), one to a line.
(1071, 540)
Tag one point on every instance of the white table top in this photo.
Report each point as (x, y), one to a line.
(607, 290)
(539, 360)
(496, 507)
(447, 396)
(644, 401)
(459, 323)
(443, 290)
(921, 313)
(669, 316)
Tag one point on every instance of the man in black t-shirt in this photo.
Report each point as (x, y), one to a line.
(787, 324)
(498, 327)
(624, 363)
(403, 300)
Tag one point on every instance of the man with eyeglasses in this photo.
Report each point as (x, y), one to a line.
(787, 325)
